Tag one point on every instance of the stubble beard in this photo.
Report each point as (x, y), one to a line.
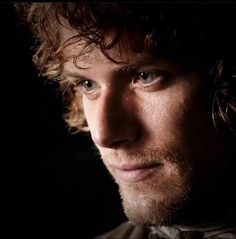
(160, 199)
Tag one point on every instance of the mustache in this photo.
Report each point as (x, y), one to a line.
(142, 156)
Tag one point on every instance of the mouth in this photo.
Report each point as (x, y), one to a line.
(135, 173)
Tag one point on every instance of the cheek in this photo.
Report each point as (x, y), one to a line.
(164, 117)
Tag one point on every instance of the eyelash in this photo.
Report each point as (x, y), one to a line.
(149, 78)
(73, 85)
(80, 86)
(156, 77)
(141, 75)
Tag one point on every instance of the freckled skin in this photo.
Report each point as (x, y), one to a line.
(170, 124)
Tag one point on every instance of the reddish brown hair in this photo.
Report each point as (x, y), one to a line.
(193, 34)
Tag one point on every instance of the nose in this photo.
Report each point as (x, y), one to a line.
(113, 123)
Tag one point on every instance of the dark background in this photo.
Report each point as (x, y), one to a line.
(56, 184)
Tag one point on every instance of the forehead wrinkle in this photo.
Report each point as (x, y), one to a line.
(97, 57)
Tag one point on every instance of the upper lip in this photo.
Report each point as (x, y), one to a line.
(130, 167)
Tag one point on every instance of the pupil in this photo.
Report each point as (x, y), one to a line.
(144, 75)
(88, 84)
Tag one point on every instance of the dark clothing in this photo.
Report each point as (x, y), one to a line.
(128, 231)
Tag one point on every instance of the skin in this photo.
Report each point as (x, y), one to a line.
(153, 129)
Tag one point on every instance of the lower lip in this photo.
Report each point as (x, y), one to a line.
(136, 175)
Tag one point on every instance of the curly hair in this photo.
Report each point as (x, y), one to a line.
(193, 34)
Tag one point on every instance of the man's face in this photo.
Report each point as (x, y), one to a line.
(150, 121)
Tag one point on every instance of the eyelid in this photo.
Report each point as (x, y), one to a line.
(75, 82)
(89, 93)
(71, 82)
(158, 78)
(154, 72)
(73, 78)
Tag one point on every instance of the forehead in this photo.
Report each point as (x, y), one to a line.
(123, 51)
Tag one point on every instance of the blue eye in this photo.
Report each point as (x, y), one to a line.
(150, 79)
(88, 86)
(146, 77)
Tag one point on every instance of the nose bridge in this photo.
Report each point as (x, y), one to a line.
(115, 124)
(109, 112)
(111, 105)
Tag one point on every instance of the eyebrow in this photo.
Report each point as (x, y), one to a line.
(143, 59)
(72, 74)
(138, 62)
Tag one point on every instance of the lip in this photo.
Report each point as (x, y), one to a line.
(135, 173)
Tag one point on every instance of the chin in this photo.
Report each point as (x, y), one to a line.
(150, 203)
(157, 195)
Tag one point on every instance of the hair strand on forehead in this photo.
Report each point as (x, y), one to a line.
(184, 32)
